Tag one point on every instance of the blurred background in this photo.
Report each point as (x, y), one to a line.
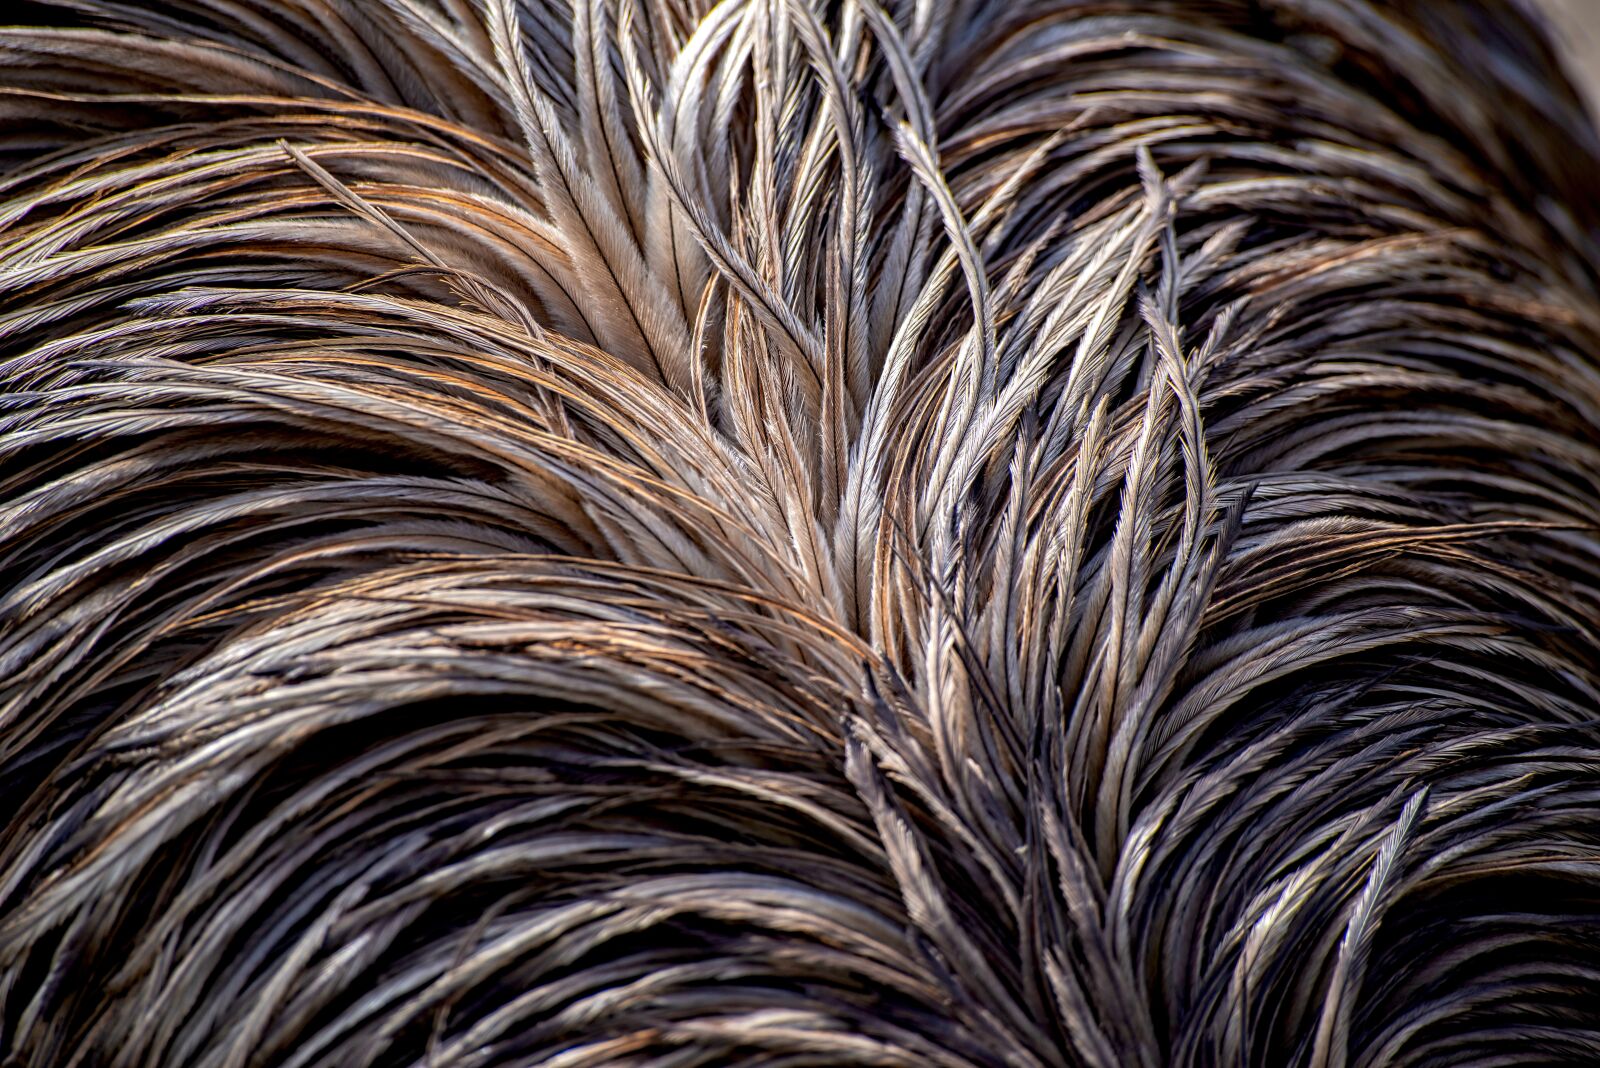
(1578, 32)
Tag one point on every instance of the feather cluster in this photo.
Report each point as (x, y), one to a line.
(797, 532)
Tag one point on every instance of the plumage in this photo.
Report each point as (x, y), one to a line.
(797, 532)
